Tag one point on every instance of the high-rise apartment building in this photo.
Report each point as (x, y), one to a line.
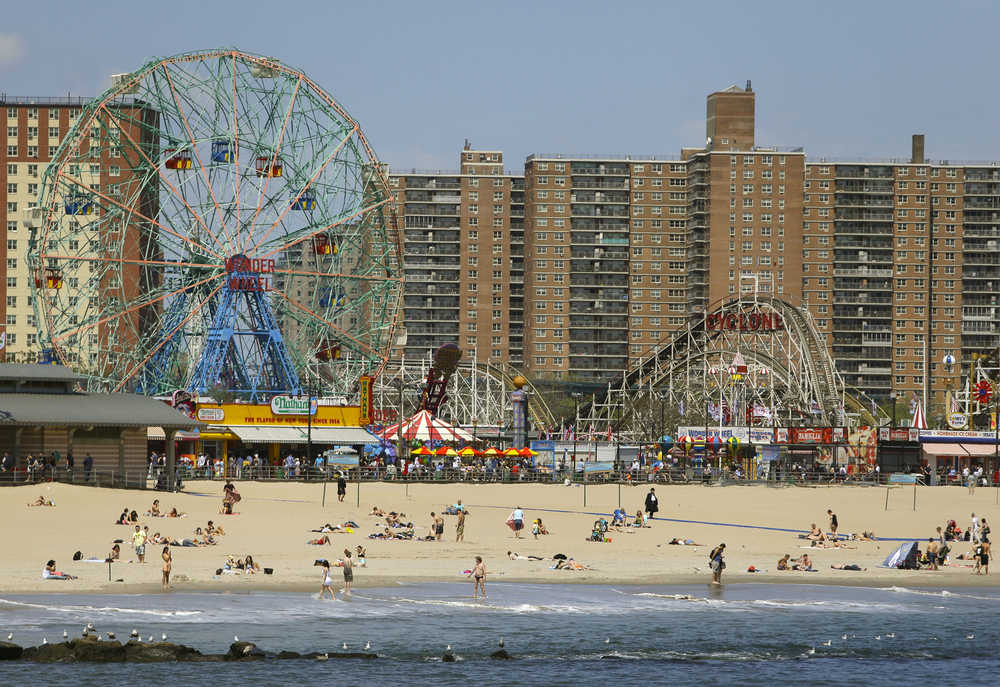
(463, 258)
(901, 267)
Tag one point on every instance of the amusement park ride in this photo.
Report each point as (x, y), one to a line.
(239, 236)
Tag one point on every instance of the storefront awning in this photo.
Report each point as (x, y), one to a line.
(268, 435)
(157, 434)
(960, 450)
(340, 435)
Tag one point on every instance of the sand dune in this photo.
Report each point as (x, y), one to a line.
(274, 521)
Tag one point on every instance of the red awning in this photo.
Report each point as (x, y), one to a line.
(960, 450)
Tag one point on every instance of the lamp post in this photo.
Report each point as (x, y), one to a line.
(576, 428)
(949, 365)
(892, 397)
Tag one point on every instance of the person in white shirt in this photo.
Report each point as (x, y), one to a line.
(975, 528)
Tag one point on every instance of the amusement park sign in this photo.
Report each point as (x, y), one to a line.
(747, 322)
(290, 405)
(244, 274)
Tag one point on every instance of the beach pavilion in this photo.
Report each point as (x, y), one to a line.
(44, 411)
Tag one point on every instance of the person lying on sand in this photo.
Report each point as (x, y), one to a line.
(377, 512)
(683, 541)
(41, 501)
(157, 538)
(570, 564)
(514, 556)
(325, 539)
(174, 513)
(848, 566)
(186, 542)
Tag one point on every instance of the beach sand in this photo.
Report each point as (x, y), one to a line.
(274, 520)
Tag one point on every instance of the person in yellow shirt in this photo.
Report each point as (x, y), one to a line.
(139, 542)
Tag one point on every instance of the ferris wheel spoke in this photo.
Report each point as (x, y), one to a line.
(131, 210)
(315, 176)
(330, 325)
(62, 336)
(164, 178)
(201, 164)
(236, 140)
(332, 225)
(167, 337)
(274, 158)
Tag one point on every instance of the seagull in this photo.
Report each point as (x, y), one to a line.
(878, 638)
(65, 634)
(44, 641)
(368, 646)
(448, 648)
(891, 635)
(163, 636)
(812, 650)
(247, 649)
(970, 636)
(501, 642)
(828, 642)
(344, 647)
(607, 640)
(322, 657)
(111, 635)
(236, 638)
(843, 636)
(150, 638)
(134, 633)
(10, 636)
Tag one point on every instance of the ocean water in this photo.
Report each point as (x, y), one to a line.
(558, 635)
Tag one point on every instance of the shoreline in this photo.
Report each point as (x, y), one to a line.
(274, 520)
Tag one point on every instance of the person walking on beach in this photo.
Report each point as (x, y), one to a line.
(479, 573)
(437, 525)
(517, 521)
(974, 529)
(460, 526)
(341, 486)
(652, 504)
(717, 563)
(833, 526)
(327, 581)
(139, 543)
(167, 565)
(348, 572)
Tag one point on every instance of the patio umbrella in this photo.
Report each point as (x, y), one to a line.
(513, 452)
(422, 451)
(491, 451)
(527, 452)
(446, 451)
(469, 452)
(426, 427)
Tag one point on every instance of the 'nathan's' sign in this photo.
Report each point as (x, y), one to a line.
(752, 322)
(245, 274)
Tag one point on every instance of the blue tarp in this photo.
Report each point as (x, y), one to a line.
(899, 555)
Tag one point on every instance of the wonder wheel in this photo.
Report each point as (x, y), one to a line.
(216, 221)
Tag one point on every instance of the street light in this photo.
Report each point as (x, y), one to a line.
(892, 397)
(949, 364)
(576, 422)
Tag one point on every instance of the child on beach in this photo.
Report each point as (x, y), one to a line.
(479, 572)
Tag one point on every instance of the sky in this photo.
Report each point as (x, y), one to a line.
(845, 79)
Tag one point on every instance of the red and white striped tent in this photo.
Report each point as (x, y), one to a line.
(426, 427)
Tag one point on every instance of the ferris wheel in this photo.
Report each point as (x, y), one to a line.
(216, 220)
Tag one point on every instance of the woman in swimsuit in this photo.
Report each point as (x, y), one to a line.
(479, 572)
(167, 565)
(327, 581)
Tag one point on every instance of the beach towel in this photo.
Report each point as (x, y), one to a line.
(510, 523)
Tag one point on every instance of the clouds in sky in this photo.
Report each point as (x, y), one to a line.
(13, 48)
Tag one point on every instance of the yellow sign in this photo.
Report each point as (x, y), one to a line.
(235, 414)
(365, 399)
